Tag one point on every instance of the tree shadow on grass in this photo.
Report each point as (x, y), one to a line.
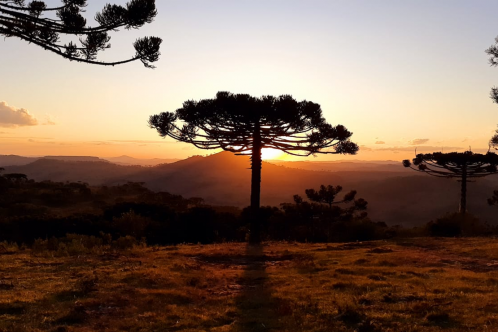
(254, 304)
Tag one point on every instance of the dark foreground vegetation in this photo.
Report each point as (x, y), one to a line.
(423, 284)
(50, 211)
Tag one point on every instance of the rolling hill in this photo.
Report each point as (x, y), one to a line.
(396, 195)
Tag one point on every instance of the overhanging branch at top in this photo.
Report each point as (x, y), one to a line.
(26, 22)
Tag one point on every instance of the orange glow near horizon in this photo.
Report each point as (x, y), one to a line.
(151, 147)
(269, 153)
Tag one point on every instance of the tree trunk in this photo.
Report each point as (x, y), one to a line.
(463, 193)
(255, 236)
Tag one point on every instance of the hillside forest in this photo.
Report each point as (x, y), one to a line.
(46, 199)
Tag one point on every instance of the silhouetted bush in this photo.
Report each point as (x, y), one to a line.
(76, 244)
(197, 225)
(322, 221)
(27, 229)
(126, 242)
(152, 211)
(357, 230)
(456, 224)
(130, 223)
(69, 245)
(266, 217)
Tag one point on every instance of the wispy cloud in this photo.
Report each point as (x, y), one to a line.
(140, 141)
(425, 148)
(49, 121)
(24, 138)
(12, 117)
(380, 142)
(42, 140)
(100, 143)
(419, 141)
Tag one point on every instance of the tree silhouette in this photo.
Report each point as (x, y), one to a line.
(322, 218)
(25, 21)
(494, 199)
(463, 165)
(493, 61)
(327, 194)
(244, 125)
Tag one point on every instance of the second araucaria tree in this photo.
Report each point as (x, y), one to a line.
(245, 125)
(461, 165)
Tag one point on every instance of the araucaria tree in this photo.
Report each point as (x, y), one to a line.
(27, 22)
(492, 51)
(462, 165)
(244, 125)
(327, 195)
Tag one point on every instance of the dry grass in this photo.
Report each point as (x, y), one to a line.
(408, 285)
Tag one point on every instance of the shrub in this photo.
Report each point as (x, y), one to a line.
(70, 245)
(357, 230)
(8, 247)
(130, 223)
(39, 245)
(124, 242)
(197, 225)
(76, 247)
(456, 224)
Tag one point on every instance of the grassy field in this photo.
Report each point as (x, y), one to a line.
(405, 285)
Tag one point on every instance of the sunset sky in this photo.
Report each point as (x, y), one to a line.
(399, 74)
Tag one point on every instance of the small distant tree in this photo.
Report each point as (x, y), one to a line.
(493, 142)
(27, 22)
(245, 125)
(16, 177)
(322, 218)
(493, 200)
(327, 195)
(461, 165)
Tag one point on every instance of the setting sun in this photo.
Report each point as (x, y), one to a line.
(271, 153)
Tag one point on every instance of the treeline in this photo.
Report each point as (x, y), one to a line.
(32, 210)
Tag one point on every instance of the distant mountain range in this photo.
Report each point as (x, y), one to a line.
(338, 166)
(396, 195)
(13, 160)
(127, 160)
